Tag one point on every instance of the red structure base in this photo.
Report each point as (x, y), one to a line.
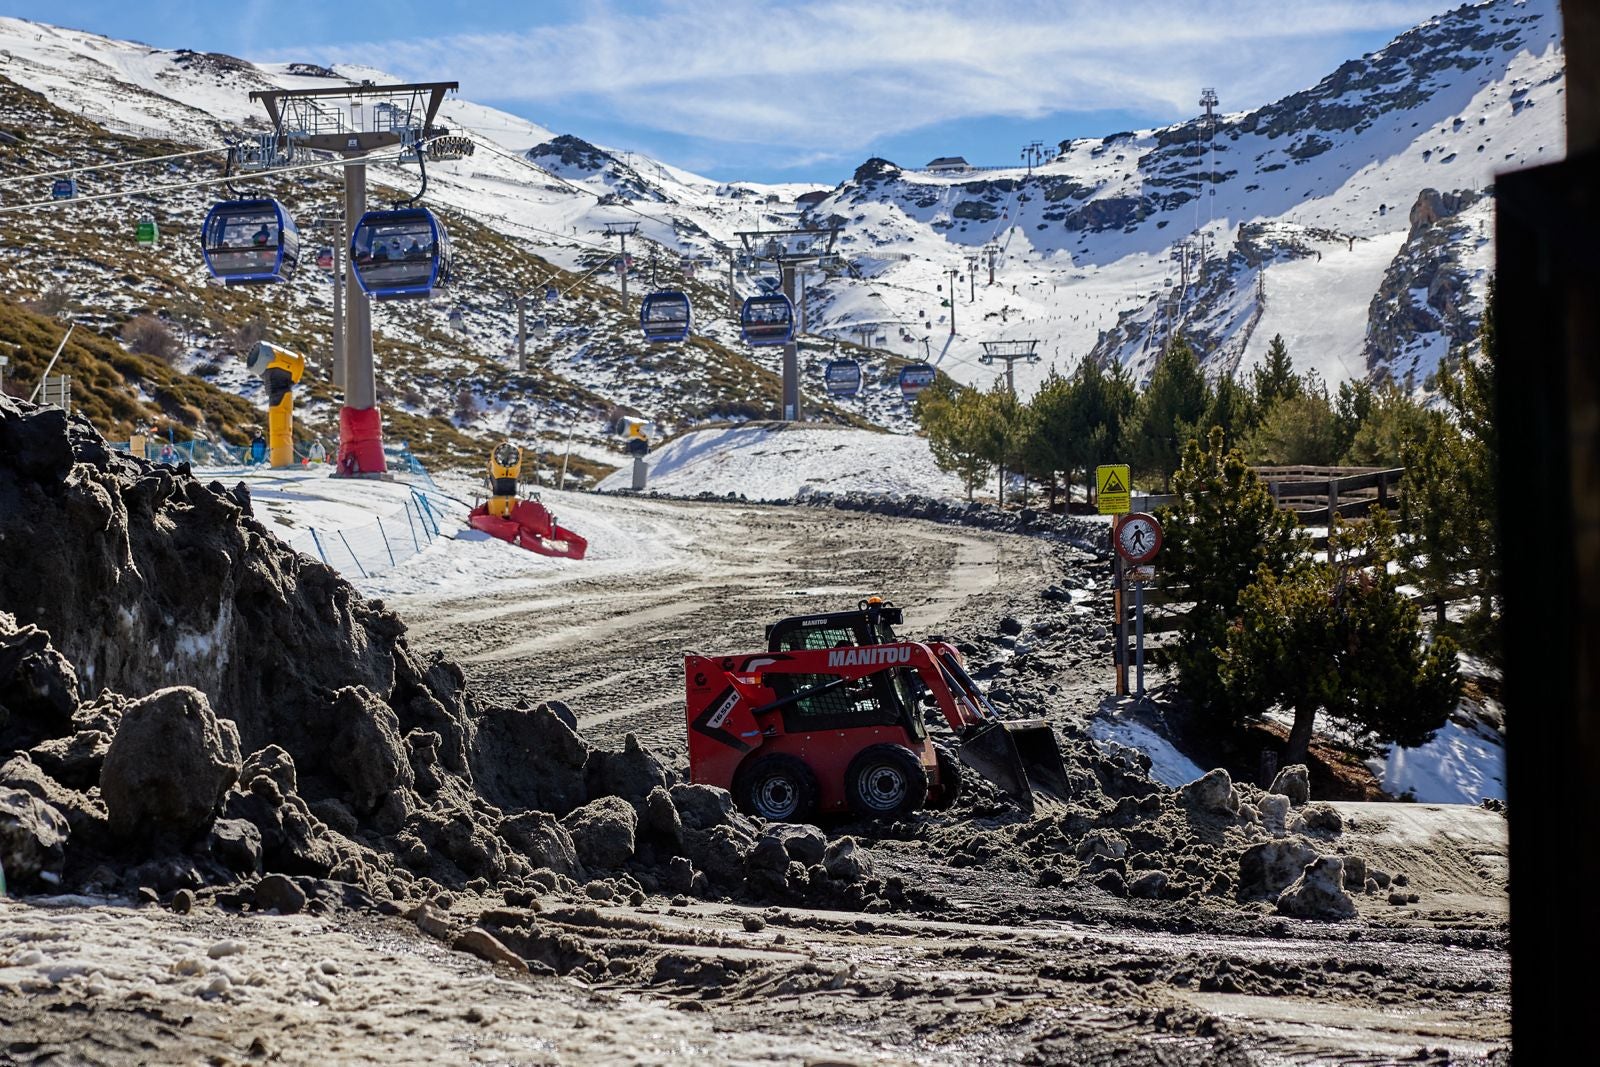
(360, 441)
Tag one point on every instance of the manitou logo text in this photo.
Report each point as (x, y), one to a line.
(869, 657)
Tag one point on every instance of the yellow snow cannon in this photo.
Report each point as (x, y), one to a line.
(281, 369)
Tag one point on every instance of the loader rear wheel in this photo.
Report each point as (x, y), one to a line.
(949, 778)
(885, 781)
(777, 788)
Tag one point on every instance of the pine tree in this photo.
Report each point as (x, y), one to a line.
(1275, 379)
(1223, 530)
(1351, 407)
(1170, 411)
(1393, 421)
(951, 417)
(1232, 409)
(1046, 441)
(1298, 429)
(1339, 637)
(1098, 413)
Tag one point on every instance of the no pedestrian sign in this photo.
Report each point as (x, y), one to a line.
(1113, 489)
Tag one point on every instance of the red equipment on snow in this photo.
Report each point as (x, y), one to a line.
(828, 720)
(525, 522)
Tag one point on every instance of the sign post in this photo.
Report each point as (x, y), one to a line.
(1137, 538)
(1113, 494)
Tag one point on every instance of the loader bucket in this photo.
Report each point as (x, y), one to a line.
(1019, 757)
(991, 751)
(1041, 755)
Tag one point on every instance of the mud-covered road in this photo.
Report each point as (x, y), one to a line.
(1011, 966)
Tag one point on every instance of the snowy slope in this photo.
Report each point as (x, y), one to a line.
(1104, 251)
(767, 462)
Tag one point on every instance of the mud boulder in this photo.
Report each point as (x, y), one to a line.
(169, 765)
(630, 774)
(847, 861)
(702, 807)
(528, 759)
(1267, 868)
(1319, 892)
(1294, 782)
(1274, 811)
(38, 689)
(603, 832)
(1212, 792)
(539, 837)
(33, 838)
(1319, 818)
(368, 754)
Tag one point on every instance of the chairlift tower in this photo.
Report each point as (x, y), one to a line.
(1033, 154)
(337, 120)
(1012, 353)
(992, 251)
(1209, 101)
(790, 250)
(622, 231)
(972, 277)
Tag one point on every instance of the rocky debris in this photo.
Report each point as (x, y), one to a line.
(603, 832)
(1273, 810)
(33, 838)
(276, 892)
(1213, 792)
(237, 845)
(38, 689)
(1319, 819)
(847, 861)
(168, 766)
(1294, 782)
(1319, 892)
(1268, 868)
(484, 945)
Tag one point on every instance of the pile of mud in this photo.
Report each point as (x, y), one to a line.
(186, 703)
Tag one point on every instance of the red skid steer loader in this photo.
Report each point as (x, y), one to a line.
(829, 720)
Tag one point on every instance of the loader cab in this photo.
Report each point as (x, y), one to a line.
(870, 624)
(888, 698)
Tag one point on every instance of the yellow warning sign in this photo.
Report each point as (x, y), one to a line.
(1113, 489)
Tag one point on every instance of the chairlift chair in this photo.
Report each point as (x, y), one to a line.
(914, 378)
(551, 294)
(664, 316)
(458, 321)
(403, 254)
(147, 234)
(540, 328)
(842, 377)
(64, 189)
(325, 259)
(250, 242)
(767, 320)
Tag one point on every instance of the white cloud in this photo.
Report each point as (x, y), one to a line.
(836, 75)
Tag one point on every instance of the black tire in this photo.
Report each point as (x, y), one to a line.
(777, 788)
(885, 781)
(949, 779)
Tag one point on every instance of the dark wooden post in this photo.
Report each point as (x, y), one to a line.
(1547, 312)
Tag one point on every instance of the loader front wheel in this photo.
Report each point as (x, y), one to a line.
(885, 781)
(777, 788)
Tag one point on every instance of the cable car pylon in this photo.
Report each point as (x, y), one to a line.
(398, 116)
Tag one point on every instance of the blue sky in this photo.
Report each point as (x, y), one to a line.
(800, 90)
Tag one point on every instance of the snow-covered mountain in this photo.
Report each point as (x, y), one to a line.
(1352, 218)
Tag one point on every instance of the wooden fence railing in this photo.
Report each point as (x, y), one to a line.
(1315, 494)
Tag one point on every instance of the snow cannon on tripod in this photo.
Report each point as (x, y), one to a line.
(281, 370)
(636, 441)
(522, 520)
